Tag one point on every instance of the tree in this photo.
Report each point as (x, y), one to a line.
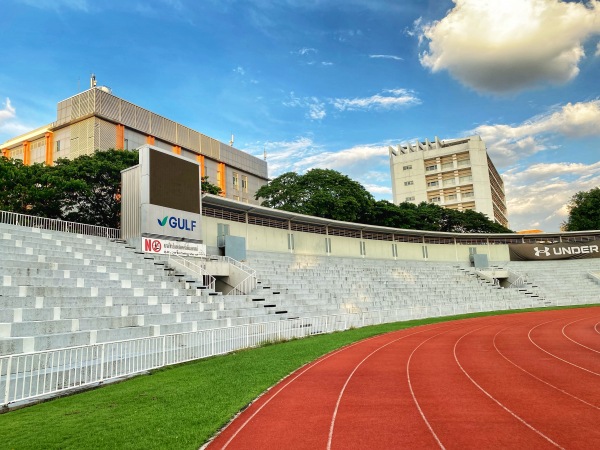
(209, 188)
(86, 189)
(28, 189)
(92, 186)
(329, 194)
(321, 193)
(584, 211)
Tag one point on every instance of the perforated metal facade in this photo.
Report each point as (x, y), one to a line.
(96, 119)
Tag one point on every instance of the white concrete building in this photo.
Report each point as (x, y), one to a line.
(456, 174)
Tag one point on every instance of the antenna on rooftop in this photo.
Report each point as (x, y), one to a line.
(231, 141)
(92, 81)
(264, 153)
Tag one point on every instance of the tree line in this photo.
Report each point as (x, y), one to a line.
(332, 195)
(86, 189)
(329, 194)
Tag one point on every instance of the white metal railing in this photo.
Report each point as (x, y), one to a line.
(195, 270)
(519, 283)
(28, 376)
(594, 276)
(45, 223)
(248, 284)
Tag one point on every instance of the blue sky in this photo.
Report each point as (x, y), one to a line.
(333, 83)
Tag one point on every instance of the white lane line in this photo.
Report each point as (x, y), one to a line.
(573, 340)
(310, 366)
(596, 328)
(528, 425)
(537, 378)
(306, 369)
(552, 354)
(337, 405)
(412, 392)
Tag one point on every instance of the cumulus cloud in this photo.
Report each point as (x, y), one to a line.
(503, 46)
(509, 143)
(597, 49)
(537, 196)
(388, 99)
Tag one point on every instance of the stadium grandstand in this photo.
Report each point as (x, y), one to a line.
(80, 306)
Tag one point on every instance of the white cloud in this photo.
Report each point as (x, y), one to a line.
(240, 70)
(306, 51)
(9, 126)
(508, 45)
(315, 107)
(509, 143)
(358, 158)
(597, 49)
(282, 154)
(388, 99)
(395, 58)
(368, 164)
(7, 113)
(537, 196)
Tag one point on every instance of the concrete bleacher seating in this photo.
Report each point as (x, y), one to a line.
(61, 290)
(560, 281)
(329, 285)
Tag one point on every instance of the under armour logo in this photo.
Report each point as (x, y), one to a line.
(545, 251)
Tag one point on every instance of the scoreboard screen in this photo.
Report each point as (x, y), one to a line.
(174, 182)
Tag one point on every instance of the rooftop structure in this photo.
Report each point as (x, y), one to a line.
(456, 174)
(97, 119)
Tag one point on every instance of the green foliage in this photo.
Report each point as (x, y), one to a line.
(210, 188)
(92, 186)
(321, 193)
(86, 189)
(584, 211)
(329, 194)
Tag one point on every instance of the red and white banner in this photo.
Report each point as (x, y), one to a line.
(167, 247)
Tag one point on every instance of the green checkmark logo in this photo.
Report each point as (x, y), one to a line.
(163, 222)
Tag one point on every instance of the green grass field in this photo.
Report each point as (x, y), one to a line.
(179, 407)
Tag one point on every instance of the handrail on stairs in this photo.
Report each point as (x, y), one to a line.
(193, 269)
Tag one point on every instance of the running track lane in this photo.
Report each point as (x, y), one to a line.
(529, 380)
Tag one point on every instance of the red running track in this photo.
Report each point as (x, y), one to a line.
(529, 380)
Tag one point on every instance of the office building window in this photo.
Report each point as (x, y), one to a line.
(409, 183)
(407, 167)
(410, 199)
(431, 168)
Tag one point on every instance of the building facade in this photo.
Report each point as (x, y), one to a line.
(456, 174)
(96, 119)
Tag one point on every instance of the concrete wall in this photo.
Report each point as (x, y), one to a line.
(268, 239)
